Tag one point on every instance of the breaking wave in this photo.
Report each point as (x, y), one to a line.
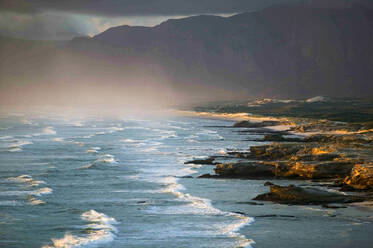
(99, 230)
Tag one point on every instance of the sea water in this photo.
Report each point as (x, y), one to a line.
(122, 182)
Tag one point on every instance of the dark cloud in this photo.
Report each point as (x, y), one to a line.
(137, 7)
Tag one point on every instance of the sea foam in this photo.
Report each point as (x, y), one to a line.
(100, 230)
(201, 206)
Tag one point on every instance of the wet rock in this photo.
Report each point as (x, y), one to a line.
(208, 161)
(277, 137)
(334, 206)
(207, 176)
(268, 183)
(320, 170)
(245, 170)
(339, 138)
(315, 157)
(240, 154)
(275, 151)
(186, 177)
(285, 169)
(251, 203)
(304, 196)
(256, 124)
(361, 177)
(241, 213)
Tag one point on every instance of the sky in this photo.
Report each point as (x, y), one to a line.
(65, 19)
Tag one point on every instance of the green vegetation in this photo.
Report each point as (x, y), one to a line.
(345, 110)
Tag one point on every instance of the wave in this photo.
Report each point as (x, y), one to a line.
(77, 143)
(222, 152)
(33, 201)
(115, 129)
(87, 136)
(26, 122)
(91, 151)
(128, 141)
(102, 161)
(26, 179)
(16, 145)
(46, 131)
(107, 158)
(77, 124)
(6, 137)
(38, 192)
(197, 205)
(17, 149)
(49, 131)
(100, 133)
(10, 203)
(100, 230)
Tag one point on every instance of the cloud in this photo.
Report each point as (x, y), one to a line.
(53, 25)
(137, 7)
(44, 26)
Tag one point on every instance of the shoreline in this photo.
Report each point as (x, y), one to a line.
(335, 153)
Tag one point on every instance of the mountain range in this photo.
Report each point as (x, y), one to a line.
(282, 51)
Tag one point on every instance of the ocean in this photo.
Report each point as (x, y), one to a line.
(122, 182)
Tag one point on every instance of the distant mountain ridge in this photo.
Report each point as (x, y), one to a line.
(284, 51)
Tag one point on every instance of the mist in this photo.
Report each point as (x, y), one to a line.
(37, 74)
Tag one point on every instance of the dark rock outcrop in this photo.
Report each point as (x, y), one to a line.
(275, 151)
(304, 196)
(285, 169)
(245, 170)
(361, 177)
(208, 161)
(250, 124)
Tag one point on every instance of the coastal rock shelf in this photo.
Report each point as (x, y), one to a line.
(338, 153)
(304, 196)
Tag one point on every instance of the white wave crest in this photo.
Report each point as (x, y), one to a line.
(49, 131)
(100, 230)
(16, 145)
(26, 179)
(203, 206)
(6, 137)
(128, 141)
(101, 162)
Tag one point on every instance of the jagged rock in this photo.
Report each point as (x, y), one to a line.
(209, 161)
(186, 177)
(304, 196)
(275, 151)
(256, 124)
(268, 183)
(319, 170)
(240, 154)
(273, 137)
(276, 137)
(334, 206)
(245, 170)
(361, 177)
(285, 169)
(251, 203)
(333, 138)
(315, 157)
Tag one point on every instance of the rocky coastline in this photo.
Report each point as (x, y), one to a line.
(338, 154)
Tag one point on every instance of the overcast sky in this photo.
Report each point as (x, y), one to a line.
(64, 19)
